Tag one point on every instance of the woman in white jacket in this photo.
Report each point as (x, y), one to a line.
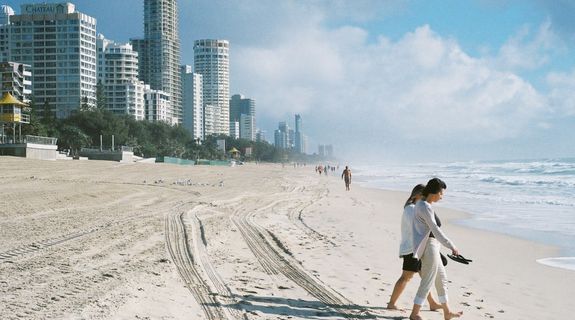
(427, 240)
(411, 265)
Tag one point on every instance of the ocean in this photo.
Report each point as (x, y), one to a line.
(531, 199)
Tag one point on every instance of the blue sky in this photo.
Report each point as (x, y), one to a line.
(392, 80)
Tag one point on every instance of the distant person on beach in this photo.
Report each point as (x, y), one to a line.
(346, 176)
(427, 241)
(411, 265)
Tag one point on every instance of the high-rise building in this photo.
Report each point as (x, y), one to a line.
(211, 114)
(282, 136)
(243, 110)
(211, 60)
(299, 143)
(157, 105)
(5, 13)
(60, 45)
(241, 105)
(15, 78)
(235, 129)
(118, 78)
(159, 53)
(261, 136)
(193, 102)
(247, 127)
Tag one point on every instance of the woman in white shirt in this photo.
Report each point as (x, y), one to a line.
(427, 241)
(411, 265)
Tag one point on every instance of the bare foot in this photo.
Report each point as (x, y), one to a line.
(417, 317)
(452, 315)
(434, 307)
(393, 307)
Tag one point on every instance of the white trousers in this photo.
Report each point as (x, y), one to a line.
(432, 271)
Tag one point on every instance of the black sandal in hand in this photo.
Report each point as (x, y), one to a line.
(459, 258)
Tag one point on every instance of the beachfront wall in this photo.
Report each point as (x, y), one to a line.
(173, 160)
(107, 155)
(30, 150)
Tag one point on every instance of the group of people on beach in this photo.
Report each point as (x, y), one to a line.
(325, 169)
(421, 240)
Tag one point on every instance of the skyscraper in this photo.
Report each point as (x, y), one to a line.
(193, 102)
(60, 45)
(299, 136)
(282, 136)
(5, 13)
(211, 60)
(159, 53)
(243, 110)
(118, 78)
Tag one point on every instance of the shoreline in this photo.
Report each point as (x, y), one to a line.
(467, 219)
(101, 240)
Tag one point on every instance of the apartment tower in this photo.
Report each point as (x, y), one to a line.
(193, 103)
(243, 111)
(159, 53)
(118, 78)
(211, 60)
(60, 45)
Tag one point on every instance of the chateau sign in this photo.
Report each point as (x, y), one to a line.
(47, 8)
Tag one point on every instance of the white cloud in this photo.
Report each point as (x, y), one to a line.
(418, 87)
(562, 93)
(529, 50)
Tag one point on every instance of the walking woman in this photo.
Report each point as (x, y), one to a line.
(427, 240)
(410, 264)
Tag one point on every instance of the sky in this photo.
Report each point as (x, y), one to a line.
(391, 80)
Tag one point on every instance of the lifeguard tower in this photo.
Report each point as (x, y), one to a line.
(234, 153)
(14, 113)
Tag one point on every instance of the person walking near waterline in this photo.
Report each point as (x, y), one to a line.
(427, 241)
(411, 265)
(346, 176)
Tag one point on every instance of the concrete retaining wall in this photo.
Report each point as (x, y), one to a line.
(30, 150)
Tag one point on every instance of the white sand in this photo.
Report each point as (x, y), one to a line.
(103, 240)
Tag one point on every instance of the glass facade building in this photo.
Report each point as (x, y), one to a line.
(59, 44)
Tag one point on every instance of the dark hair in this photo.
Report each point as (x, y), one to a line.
(434, 186)
(416, 190)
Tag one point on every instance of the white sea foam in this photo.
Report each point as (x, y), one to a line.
(561, 262)
(528, 199)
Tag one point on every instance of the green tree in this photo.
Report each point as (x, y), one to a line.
(101, 99)
(72, 138)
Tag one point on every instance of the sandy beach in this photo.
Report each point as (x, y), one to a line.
(107, 240)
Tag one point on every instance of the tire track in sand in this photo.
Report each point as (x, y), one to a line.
(269, 255)
(178, 247)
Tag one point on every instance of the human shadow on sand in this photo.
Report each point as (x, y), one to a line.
(304, 308)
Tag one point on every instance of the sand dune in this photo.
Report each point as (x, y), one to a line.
(103, 240)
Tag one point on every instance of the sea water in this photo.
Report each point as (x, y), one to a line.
(532, 199)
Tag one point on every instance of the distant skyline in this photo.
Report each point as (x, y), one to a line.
(391, 80)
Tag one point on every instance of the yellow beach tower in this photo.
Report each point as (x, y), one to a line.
(12, 113)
